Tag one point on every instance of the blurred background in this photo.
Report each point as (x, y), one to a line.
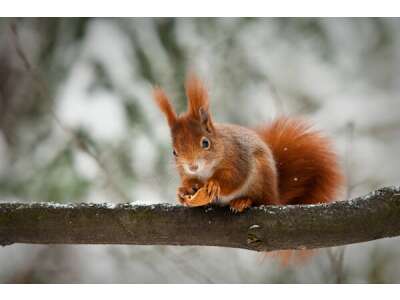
(77, 124)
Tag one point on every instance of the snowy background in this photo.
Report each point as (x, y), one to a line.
(343, 74)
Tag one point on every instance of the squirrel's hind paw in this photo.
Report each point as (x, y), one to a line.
(239, 205)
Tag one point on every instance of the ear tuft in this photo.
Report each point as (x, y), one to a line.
(165, 105)
(205, 120)
(197, 96)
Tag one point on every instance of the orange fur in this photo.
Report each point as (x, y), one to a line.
(165, 105)
(307, 166)
(197, 96)
(290, 257)
(293, 163)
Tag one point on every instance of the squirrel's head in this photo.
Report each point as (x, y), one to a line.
(196, 146)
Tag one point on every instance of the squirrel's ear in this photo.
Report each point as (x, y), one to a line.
(165, 105)
(205, 119)
(197, 96)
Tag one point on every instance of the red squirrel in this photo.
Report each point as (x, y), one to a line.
(283, 162)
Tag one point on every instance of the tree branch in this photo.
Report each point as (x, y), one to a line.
(266, 228)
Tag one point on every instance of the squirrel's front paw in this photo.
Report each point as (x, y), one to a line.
(185, 192)
(199, 196)
(213, 190)
(205, 195)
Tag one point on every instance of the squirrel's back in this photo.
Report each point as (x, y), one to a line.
(308, 168)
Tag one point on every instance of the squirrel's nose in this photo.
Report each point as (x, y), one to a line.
(193, 167)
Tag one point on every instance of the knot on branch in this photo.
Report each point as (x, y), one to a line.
(254, 238)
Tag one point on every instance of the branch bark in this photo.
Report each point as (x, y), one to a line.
(266, 228)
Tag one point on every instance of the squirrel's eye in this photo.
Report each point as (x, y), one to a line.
(174, 153)
(205, 143)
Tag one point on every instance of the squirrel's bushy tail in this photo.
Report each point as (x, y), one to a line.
(308, 168)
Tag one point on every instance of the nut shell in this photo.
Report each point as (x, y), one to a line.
(200, 198)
